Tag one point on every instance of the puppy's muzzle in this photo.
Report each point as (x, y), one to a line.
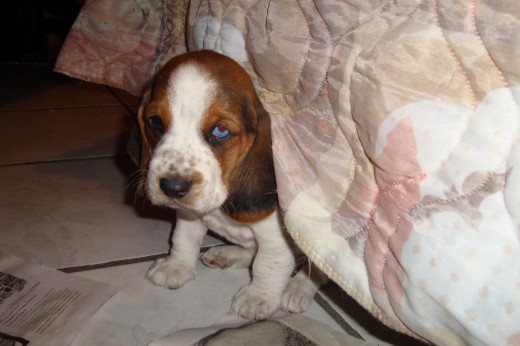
(175, 187)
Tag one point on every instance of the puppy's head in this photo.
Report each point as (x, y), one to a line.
(207, 139)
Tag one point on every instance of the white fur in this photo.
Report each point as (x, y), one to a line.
(183, 151)
(273, 262)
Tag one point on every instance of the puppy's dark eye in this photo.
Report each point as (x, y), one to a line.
(156, 125)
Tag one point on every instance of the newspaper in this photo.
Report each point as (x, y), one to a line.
(43, 306)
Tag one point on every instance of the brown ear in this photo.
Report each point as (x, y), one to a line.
(252, 184)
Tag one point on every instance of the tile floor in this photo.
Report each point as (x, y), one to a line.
(66, 202)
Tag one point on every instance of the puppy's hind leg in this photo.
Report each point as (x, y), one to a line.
(228, 257)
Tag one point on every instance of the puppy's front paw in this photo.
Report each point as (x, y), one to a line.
(253, 303)
(298, 296)
(168, 273)
(302, 288)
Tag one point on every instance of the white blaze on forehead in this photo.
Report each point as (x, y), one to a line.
(183, 149)
(191, 92)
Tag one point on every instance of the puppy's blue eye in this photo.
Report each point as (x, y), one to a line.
(220, 131)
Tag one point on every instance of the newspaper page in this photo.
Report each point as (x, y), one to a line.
(43, 306)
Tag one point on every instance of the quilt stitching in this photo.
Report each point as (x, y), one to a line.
(397, 222)
(306, 59)
(472, 6)
(454, 55)
(331, 273)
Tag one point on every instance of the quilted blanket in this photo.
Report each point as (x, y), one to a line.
(396, 138)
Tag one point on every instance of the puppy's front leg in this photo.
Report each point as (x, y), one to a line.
(179, 267)
(272, 268)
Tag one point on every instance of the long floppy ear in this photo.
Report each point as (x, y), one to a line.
(252, 194)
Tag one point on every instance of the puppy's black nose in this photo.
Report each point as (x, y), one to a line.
(175, 187)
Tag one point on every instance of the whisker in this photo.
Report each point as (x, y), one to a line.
(136, 188)
(275, 192)
(135, 178)
(230, 203)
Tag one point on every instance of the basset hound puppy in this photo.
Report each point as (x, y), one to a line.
(208, 155)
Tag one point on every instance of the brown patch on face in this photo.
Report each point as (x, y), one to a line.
(229, 151)
(155, 101)
(245, 156)
(155, 113)
(154, 104)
